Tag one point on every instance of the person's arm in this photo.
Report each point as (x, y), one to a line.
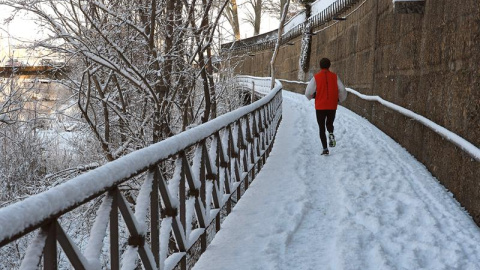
(342, 92)
(311, 89)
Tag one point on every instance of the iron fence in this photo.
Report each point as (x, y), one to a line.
(212, 164)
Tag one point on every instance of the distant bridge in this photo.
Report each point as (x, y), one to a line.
(6, 71)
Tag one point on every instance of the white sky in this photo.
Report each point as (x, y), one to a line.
(21, 29)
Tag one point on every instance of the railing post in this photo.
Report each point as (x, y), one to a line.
(203, 239)
(114, 248)
(155, 217)
(256, 140)
(217, 178)
(250, 143)
(182, 198)
(267, 125)
(264, 135)
(202, 174)
(224, 165)
(252, 99)
(242, 147)
(211, 176)
(50, 249)
(234, 157)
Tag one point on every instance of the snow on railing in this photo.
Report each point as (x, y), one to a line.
(460, 142)
(259, 85)
(218, 157)
(463, 144)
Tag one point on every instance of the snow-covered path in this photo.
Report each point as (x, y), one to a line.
(369, 205)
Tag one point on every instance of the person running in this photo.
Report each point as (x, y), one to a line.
(328, 90)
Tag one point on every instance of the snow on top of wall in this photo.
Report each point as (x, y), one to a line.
(296, 20)
(19, 216)
(317, 7)
(321, 5)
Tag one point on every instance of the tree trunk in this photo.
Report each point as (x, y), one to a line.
(277, 46)
(282, 5)
(232, 17)
(258, 17)
(211, 83)
(306, 40)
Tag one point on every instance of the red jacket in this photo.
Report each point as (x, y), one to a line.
(326, 97)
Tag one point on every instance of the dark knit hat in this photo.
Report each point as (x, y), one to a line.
(325, 63)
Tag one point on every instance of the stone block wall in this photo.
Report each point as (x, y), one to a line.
(427, 61)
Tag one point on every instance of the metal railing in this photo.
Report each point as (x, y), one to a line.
(268, 40)
(212, 165)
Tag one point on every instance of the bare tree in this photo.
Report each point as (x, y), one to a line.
(134, 64)
(275, 8)
(277, 45)
(231, 13)
(29, 145)
(254, 15)
(10, 102)
(138, 72)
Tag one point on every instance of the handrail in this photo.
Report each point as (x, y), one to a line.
(269, 39)
(212, 160)
(463, 144)
(261, 85)
(460, 142)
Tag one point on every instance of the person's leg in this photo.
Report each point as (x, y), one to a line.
(330, 115)
(330, 119)
(321, 116)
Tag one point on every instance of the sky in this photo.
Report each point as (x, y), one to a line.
(368, 205)
(16, 32)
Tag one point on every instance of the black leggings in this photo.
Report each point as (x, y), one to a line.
(325, 117)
